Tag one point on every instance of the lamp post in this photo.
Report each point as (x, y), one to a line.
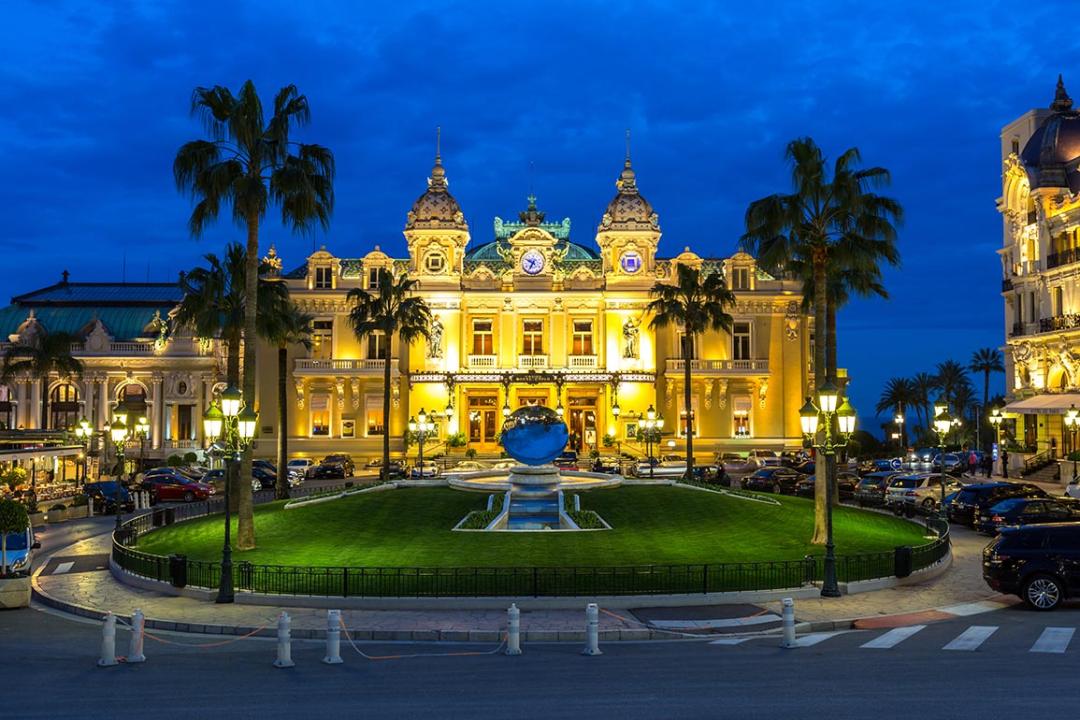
(142, 431)
(996, 419)
(420, 428)
(811, 417)
(943, 423)
(233, 424)
(83, 431)
(654, 427)
(900, 425)
(1072, 421)
(120, 433)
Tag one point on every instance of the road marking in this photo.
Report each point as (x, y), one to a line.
(965, 609)
(971, 638)
(814, 638)
(893, 638)
(730, 641)
(710, 624)
(63, 568)
(1053, 640)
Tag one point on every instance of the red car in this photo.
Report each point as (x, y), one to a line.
(172, 487)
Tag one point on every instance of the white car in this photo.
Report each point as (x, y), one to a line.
(428, 469)
(1073, 488)
(766, 458)
(736, 463)
(921, 491)
(467, 466)
(297, 467)
(667, 466)
(504, 465)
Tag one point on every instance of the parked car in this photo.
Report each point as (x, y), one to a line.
(1073, 488)
(668, 466)
(265, 464)
(102, 496)
(173, 472)
(971, 497)
(504, 464)
(170, 487)
(427, 469)
(568, 460)
(467, 466)
(870, 492)
(607, 464)
(20, 546)
(266, 478)
(925, 496)
(896, 494)
(846, 482)
(766, 458)
(1038, 563)
(955, 463)
(879, 465)
(344, 460)
(711, 474)
(216, 478)
(737, 463)
(1025, 511)
(332, 466)
(298, 467)
(779, 480)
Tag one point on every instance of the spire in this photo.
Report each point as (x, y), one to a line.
(438, 145)
(1062, 101)
(627, 147)
(438, 181)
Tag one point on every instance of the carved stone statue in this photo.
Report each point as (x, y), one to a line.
(434, 346)
(630, 332)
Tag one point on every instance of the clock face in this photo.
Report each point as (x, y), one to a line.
(532, 262)
(630, 261)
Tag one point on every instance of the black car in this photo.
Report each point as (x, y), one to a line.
(266, 478)
(1038, 563)
(870, 492)
(846, 482)
(982, 495)
(711, 474)
(779, 480)
(1026, 511)
(396, 468)
(102, 496)
(338, 466)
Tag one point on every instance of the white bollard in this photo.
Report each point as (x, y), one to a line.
(108, 642)
(333, 637)
(284, 642)
(592, 630)
(788, 618)
(135, 650)
(513, 634)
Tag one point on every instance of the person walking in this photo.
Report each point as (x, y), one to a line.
(973, 463)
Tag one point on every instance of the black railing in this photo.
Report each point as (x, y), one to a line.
(1038, 462)
(445, 582)
(1059, 322)
(1064, 257)
(1017, 329)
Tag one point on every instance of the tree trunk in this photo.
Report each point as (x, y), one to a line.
(281, 492)
(232, 379)
(245, 521)
(3, 554)
(831, 365)
(986, 400)
(688, 354)
(820, 376)
(45, 402)
(384, 471)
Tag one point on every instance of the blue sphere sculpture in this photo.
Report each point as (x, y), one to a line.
(534, 435)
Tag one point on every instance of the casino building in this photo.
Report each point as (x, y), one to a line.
(529, 315)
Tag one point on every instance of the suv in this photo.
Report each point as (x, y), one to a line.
(982, 495)
(870, 492)
(780, 480)
(102, 495)
(920, 491)
(1026, 511)
(1038, 563)
(846, 482)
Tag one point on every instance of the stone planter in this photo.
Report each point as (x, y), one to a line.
(14, 592)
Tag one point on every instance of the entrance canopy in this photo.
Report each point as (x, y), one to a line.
(1049, 404)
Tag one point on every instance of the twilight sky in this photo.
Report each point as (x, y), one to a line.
(96, 98)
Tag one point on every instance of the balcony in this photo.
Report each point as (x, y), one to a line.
(533, 362)
(316, 366)
(1059, 322)
(1064, 257)
(483, 362)
(1006, 284)
(726, 367)
(582, 362)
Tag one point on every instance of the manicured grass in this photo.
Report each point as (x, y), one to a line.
(652, 525)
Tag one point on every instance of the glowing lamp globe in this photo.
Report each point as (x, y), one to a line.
(534, 435)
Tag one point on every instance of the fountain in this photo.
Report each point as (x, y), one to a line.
(534, 436)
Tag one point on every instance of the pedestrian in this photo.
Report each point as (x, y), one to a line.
(988, 464)
(1004, 463)
(973, 463)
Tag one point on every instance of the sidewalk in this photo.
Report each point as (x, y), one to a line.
(75, 580)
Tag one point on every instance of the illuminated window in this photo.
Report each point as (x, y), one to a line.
(582, 341)
(64, 406)
(740, 416)
(322, 339)
(740, 341)
(483, 339)
(378, 347)
(532, 337)
(373, 415)
(320, 415)
(740, 279)
(373, 279)
(324, 278)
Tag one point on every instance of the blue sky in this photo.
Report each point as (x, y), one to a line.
(96, 98)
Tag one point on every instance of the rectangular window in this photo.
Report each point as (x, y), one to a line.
(324, 278)
(532, 337)
(1059, 301)
(322, 339)
(740, 341)
(1032, 315)
(373, 415)
(320, 415)
(377, 347)
(373, 279)
(740, 416)
(1016, 146)
(582, 340)
(740, 279)
(483, 342)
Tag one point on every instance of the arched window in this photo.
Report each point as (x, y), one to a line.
(7, 408)
(63, 406)
(133, 399)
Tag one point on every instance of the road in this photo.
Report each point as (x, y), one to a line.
(48, 668)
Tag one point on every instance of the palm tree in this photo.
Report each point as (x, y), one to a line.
(924, 383)
(390, 310)
(949, 378)
(39, 358)
(986, 361)
(287, 326)
(249, 163)
(697, 302)
(214, 305)
(898, 394)
(824, 224)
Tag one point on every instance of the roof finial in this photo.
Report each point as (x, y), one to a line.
(64, 275)
(627, 147)
(1062, 101)
(438, 145)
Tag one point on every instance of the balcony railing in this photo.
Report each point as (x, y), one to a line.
(1064, 257)
(582, 362)
(532, 362)
(1059, 322)
(483, 362)
(336, 365)
(1006, 284)
(721, 366)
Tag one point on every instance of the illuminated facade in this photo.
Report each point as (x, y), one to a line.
(532, 317)
(1040, 257)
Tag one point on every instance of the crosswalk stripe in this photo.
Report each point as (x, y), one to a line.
(893, 638)
(730, 641)
(814, 638)
(1053, 640)
(63, 568)
(971, 638)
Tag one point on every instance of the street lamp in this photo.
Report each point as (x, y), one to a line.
(943, 423)
(83, 431)
(654, 427)
(1072, 421)
(899, 419)
(233, 425)
(120, 434)
(142, 431)
(996, 419)
(811, 417)
(420, 429)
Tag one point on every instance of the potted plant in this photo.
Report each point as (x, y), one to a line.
(14, 585)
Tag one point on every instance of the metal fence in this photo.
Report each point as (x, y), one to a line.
(436, 582)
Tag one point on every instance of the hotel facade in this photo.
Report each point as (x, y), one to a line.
(526, 316)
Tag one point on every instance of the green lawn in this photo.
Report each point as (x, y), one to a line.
(652, 525)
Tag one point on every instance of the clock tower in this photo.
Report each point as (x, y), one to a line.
(629, 233)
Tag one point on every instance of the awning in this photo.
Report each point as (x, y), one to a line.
(1049, 404)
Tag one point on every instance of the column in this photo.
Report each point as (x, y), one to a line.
(34, 415)
(103, 402)
(22, 407)
(156, 410)
(200, 398)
